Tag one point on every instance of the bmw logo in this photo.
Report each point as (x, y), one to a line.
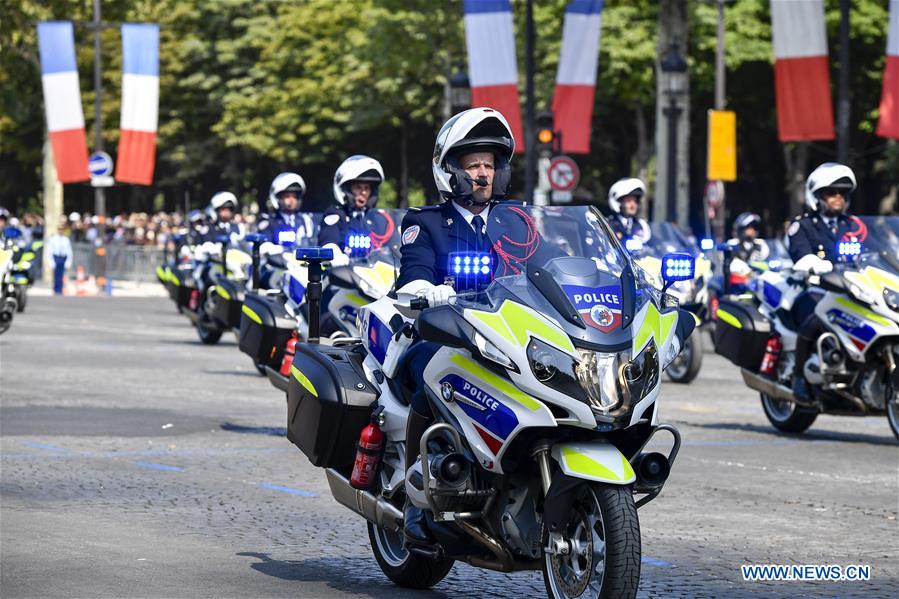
(446, 390)
(601, 315)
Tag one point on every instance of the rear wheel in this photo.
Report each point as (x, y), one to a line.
(403, 568)
(602, 534)
(893, 412)
(686, 365)
(22, 298)
(787, 416)
(208, 335)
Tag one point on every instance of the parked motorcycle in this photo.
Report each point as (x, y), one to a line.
(691, 294)
(545, 392)
(8, 302)
(853, 368)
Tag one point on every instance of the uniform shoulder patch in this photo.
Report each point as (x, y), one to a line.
(794, 228)
(411, 234)
(332, 219)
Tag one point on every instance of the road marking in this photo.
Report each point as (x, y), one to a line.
(290, 490)
(37, 445)
(155, 466)
(655, 562)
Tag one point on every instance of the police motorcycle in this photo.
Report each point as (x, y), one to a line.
(8, 297)
(22, 272)
(691, 294)
(852, 370)
(545, 394)
(177, 260)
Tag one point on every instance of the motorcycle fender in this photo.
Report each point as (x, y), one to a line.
(600, 462)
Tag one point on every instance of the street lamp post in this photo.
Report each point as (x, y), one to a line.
(674, 66)
(459, 92)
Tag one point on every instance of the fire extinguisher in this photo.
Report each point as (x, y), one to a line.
(772, 352)
(194, 300)
(368, 456)
(290, 349)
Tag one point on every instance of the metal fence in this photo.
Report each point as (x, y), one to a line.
(122, 262)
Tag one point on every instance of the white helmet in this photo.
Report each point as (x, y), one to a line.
(357, 168)
(477, 129)
(223, 199)
(623, 188)
(285, 182)
(828, 175)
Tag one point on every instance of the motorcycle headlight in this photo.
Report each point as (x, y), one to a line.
(597, 374)
(861, 294)
(554, 368)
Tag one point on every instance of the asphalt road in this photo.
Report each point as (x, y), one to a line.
(138, 463)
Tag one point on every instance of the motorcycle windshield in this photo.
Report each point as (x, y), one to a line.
(562, 262)
(881, 235)
(666, 238)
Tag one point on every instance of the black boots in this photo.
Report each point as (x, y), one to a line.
(415, 527)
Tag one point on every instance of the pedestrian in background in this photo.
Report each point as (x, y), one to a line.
(60, 247)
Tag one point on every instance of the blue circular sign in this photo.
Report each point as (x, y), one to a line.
(100, 164)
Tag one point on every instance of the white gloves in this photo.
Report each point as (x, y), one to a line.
(340, 259)
(437, 295)
(813, 264)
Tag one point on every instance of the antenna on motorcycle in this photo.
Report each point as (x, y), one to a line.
(314, 257)
(255, 240)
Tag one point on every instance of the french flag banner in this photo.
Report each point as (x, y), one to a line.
(801, 76)
(576, 77)
(140, 103)
(62, 100)
(492, 63)
(888, 126)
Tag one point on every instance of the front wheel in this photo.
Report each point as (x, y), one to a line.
(22, 297)
(686, 365)
(602, 534)
(787, 416)
(208, 335)
(893, 413)
(405, 569)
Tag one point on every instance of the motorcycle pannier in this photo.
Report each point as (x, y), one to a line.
(741, 333)
(265, 327)
(228, 303)
(329, 402)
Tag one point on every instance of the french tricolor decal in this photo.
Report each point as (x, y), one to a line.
(492, 63)
(576, 77)
(140, 103)
(62, 100)
(888, 125)
(801, 76)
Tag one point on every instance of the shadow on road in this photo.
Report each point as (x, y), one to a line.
(355, 575)
(810, 435)
(254, 430)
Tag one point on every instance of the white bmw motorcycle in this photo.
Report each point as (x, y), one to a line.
(545, 392)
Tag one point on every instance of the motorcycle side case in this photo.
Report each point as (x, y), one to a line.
(228, 305)
(265, 327)
(180, 291)
(741, 333)
(329, 402)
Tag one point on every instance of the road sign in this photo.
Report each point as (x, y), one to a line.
(102, 181)
(722, 150)
(563, 174)
(100, 164)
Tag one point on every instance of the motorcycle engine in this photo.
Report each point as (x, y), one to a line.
(873, 388)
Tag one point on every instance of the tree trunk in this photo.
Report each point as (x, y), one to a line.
(796, 161)
(644, 153)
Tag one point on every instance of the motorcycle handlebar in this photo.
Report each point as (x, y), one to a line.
(419, 303)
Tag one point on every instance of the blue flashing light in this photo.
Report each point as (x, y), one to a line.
(314, 253)
(287, 237)
(707, 244)
(469, 268)
(678, 267)
(849, 248)
(358, 243)
(632, 244)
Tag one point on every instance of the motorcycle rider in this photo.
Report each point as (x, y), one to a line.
(812, 240)
(223, 205)
(356, 184)
(285, 226)
(471, 168)
(745, 242)
(624, 201)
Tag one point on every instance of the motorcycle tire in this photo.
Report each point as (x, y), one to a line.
(787, 416)
(604, 518)
(403, 568)
(686, 366)
(207, 335)
(893, 416)
(22, 297)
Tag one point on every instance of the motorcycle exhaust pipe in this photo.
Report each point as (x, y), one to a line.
(652, 471)
(375, 510)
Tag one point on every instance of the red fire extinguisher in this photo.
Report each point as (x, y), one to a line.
(368, 456)
(772, 352)
(290, 349)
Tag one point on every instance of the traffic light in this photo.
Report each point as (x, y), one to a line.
(546, 133)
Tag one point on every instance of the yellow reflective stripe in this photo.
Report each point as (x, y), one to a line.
(763, 266)
(252, 315)
(495, 323)
(28, 256)
(221, 291)
(524, 322)
(882, 279)
(160, 274)
(729, 318)
(472, 367)
(37, 245)
(655, 325)
(859, 311)
(303, 380)
(356, 299)
(584, 464)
